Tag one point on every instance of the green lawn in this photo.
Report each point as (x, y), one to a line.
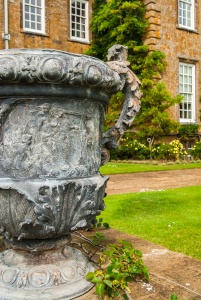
(171, 218)
(121, 168)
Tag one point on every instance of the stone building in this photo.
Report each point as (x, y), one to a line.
(174, 28)
(61, 24)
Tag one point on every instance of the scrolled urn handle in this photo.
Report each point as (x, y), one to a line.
(130, 86)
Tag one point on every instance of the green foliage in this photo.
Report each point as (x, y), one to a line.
(172, 151)
(196, 151)
(154, 65)
(174, 297)
(153, 119)
(123, 22)
(124, 264)
(100, 224)
(97, 238)
(118, 22)
(188, 129)
(131, 148)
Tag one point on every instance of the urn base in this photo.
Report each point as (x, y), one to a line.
(48, 275)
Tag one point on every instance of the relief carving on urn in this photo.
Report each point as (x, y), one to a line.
(52, 107)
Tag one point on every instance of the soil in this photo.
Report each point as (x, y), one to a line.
(170, 272)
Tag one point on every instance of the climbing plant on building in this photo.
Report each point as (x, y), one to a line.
(123, 22)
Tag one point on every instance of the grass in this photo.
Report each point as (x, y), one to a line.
(169, 217)
(121, 168)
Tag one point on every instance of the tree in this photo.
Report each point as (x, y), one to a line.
(123, 22)
(119, 22)
(153, 120)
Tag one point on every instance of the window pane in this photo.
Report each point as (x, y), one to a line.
(79, 19)
(186, 13)
(33, 11)
(186, 89)
(26, 8)
(32, 25)
(32, 17)
(26, 16)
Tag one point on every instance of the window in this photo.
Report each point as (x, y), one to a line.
(187, 146)
(79, 20)
(186, 13)
(187, 89)
(34, 15)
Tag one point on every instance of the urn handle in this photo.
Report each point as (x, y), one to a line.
(130, 86)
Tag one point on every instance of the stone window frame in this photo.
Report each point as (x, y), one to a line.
(187, 89)
(181, 11)
(75, 21)
(34, 9)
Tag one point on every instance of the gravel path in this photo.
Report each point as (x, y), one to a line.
(148, 181)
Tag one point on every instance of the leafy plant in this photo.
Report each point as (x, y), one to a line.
(119, 22)
(119, 264)
(174, 297)
(100, 224)
(188, 129)
(196, 151)
(131, 148)
(123, 22)
(153, 119)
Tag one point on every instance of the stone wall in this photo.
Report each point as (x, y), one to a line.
(178, 44)
(57, 35)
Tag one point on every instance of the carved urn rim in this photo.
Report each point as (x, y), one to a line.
(42, 72)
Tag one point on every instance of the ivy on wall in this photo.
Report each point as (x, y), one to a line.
(123, 22)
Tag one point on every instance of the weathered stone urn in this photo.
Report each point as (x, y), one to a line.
(52, 107)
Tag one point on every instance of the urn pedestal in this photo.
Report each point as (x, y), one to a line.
(52, 107)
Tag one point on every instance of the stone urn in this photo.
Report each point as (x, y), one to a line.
(52, 107)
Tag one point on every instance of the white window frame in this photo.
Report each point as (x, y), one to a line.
(41, 8)
(75, 21)
(186, 14)
(187, 89)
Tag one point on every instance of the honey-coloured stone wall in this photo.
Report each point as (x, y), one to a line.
(57, 27)
(178, 44)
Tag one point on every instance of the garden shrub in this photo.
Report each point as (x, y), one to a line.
(196, 151)
(133, 149)
(172, 151)
(130, 148)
